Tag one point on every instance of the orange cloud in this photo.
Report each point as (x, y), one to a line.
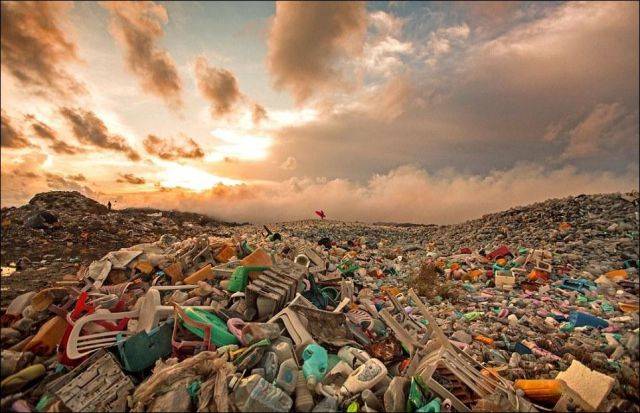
(308, 42)
(77, 177)
(132, 179)
(218, 86)
(10, 136)
(90, 129)
(138, 27)
(259, 114)
(168, 150)
(35, 47)
(44, 131)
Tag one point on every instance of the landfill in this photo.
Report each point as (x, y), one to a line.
(535, 308)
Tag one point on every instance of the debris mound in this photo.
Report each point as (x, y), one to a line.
(531, 309)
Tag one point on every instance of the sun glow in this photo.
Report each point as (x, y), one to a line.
(237, 144)
(188, 177)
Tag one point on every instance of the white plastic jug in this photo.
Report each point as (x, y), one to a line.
(364, 377)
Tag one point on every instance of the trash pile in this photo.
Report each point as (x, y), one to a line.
(58, 231)
(332, 317)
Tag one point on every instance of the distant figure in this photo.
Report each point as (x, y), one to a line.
(109, 205)
(320, 214)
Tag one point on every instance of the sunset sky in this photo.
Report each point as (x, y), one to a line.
(380, 111)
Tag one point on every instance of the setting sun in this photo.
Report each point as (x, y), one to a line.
(188, 177)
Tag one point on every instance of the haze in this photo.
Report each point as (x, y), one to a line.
(380, 111)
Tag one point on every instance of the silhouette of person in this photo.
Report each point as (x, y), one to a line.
(109, 205)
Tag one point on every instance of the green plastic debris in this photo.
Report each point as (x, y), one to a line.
(473, 315)
(220, 335)
(348, 267)
(607, 307)
(43, 403)
(567, 327)
(194, 389)
(432, 407)
(353, 407)
(240, 277)
(418, 394)
(141, 350)
(246, 249)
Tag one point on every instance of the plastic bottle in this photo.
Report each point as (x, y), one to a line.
(287, 376)
(304, 400)
(338, 374)
(328, 404)
(395, 396)
(255, 394)
(545, 391)
(315, 365)
(364, 377)
(283, 350)
(270, 365)
(371, 401)
(352, 356)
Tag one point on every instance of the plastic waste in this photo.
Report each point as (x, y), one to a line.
(580, 319)
(540, 390)
(240, 277)
(287, 376)
(220, 334)
(255, 394)
(252, 332)
(304, 400)
(270, 365)
(328, 404)
(364, 377)
(20, 379)
(48, 337)
(432, 407)
(315, 363)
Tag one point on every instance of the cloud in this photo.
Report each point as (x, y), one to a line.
(77, 177)
(218, 86)
(289, 164)
(137, 26)
(405, 194)
(169, 150)
(10, 136)
(259, 114)
(91, 130)
(132, 179)
(45, 132)
(309, 42)
(442, 40)
(606, 126)
(57, 182)
(20, 178)
(36, 48)
(383, 49)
